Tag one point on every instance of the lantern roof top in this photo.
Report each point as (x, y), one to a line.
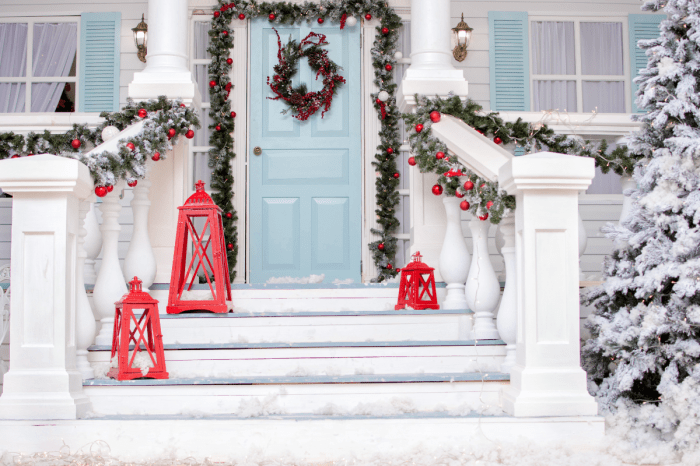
(136, 295)
(200, 199)
(417, 264)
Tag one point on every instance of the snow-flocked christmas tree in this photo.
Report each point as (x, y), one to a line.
(644, 354)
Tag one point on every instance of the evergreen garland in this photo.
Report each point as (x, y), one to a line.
(383, 61)
(107, 168)
(483, 196)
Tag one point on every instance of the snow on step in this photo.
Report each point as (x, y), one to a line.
(315, 326)
(324, 359)
(459, 394)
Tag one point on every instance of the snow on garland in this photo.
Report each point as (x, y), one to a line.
(164, 121)
(302, 102)
(383, 61)
(482, 197)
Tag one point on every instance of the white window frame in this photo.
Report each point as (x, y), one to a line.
(28, 80)
(203, 106)
(578, 77)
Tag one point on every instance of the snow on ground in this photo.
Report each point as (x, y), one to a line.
(297, 280)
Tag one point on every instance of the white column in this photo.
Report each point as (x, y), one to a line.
(507, 319)
(482, 289)
(140, 260)
(85, 320)
(431, 71)
(110, 284)
(43, 382)
(547, 379)
(166, 71)
(93, 243)
(454, 258)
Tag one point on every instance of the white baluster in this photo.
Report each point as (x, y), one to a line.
(454, 257)
(507, 320)
(93, 243)
(110, 285)
(582, 243)
(626, 182)
(140, 260)
(482, 289)
(85, 320)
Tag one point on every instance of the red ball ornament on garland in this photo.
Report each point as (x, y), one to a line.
(389, 150)
(189, 134)
(412, 161)
(217, 14)
(132, 183)
(29, 155)
(271, 16)
(183, 105)
(100, 191)
(419, 128)
(368, 16)
(143, 113)
(389, 67)
(212, 83)
(437, 189)
(380, 246)
(389, 266)
(489, 204)
(458, 194)
(229, 246)
(397, 175)
(479, 131)
(497, 140)
(218, 128)
(130, 146)
(110, 188)
(15, 156)
(319, 20)
(156, 157)
(440, 155)
(225, 33)
(468, 185)
(464, 205)
(75, 143)
(229, 61)
(385, 31)
(233, 114)
(435, 116)
(241, 16)
(378, 101)
(171, 132)
(483, 217)
(229, 215)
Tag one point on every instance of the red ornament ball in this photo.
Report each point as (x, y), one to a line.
(130, 146)
(271, 16)
(15, 156)
(229, 215)
(389, 150)
(29, 155)
(483, 185)
(229, 246)
(397, 175)
(437, 189)
(458, 194)
(389, 266)
(132, 183)
(241, 16)
(171, 132)
(212, 83)
(189, 134)
(489, 204)
(412, 161)
(320, 20)
(75, 143)
(156, 157)
(479, 131)
(100, 191)
(143, 113)
(385, 31)
(389, 67)
(464, 205)
(468, 185)
(183, 105)
(435, 116)
(419, 128)
(380, 246)
(483, 217)
(229, 61)
(378, 101)
(368, 16)
(110, 188)
(218, 127)
(225, 33)
(217, 14)
(233, 114)
(440, 155)
(497, 140)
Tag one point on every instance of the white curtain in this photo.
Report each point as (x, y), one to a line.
(554, 95)
(553, 52)
(13, 63)
(601, 54)
(53, 50)
(201, 72)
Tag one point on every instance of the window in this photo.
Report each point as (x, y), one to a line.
(38, 65)
(579, 65)
(200, 72)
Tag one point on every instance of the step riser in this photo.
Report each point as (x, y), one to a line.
(256, 400)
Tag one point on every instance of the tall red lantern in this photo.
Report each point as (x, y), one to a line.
(145, 336)
(417, 288)
(184, 274)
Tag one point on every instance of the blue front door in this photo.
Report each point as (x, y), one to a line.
(305, 184)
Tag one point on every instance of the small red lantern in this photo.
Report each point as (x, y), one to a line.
(144, 335)
(184, 274)
(417, 288)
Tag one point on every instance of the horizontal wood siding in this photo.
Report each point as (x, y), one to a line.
(5, 227)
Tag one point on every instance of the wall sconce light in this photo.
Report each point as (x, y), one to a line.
(141, 39)
(463, 34)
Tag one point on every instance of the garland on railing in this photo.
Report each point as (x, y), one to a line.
(221, 154)
(164, 121)
(482, 197)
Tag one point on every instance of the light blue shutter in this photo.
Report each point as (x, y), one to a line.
(509, 60)
(519, 150)
(100, 35)
(641, 27)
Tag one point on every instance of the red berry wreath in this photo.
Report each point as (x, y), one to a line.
(303, 103)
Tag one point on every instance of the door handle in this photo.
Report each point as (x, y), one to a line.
(257, 150)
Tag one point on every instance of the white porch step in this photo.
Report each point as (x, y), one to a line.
(325, 359)
(330, 395)
(317, 326)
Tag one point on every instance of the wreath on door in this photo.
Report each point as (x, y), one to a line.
(301, 102)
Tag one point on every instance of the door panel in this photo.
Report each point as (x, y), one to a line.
(305, 192)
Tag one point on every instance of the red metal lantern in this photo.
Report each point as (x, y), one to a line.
(144, 334)
(184, 274)
(417, 288)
